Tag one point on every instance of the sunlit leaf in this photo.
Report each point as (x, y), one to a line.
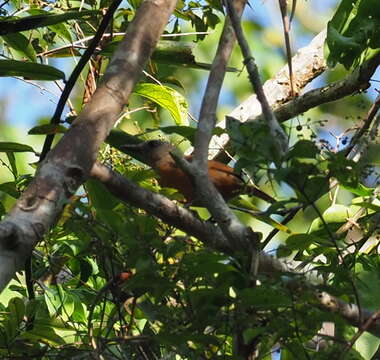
(21, 45)
(166, 97)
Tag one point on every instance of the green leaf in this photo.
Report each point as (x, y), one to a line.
(353, 33)
(371, 206)
(166, 97)
(211, 19)
(99, 196)
(199, 25)
(2, 209)
(62, 30)
(29, 70)
(21, 45)
(250, 334)
(264, 297)
(85, 270)
(304, 149)
(10, 189)
(335, 214)
(314, 188)
(16, 308)
(80, 313)
(12, 161)
(283, 251)
(300, 241)
(347, 172)
(53, 323)
(11, 324)
(45, 334)
(46, 129)
(53, 303)
(104, 203)
(68, 305)
(188, 132)
(14, 25)
(14, 147)
(359, 190)
(185, 131)
(216, 4)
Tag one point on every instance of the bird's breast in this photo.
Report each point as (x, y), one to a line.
(221, 175)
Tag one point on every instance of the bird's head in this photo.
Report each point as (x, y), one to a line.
(152, 151)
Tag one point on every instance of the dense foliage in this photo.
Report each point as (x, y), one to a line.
(110, 281)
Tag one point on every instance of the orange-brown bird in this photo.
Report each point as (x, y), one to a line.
(156, 153)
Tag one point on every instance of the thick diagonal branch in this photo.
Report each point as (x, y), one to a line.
(68, 165)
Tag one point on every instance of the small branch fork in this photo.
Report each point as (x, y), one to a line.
(307, 64)
(358, 80)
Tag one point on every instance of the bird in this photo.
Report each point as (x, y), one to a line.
(157, 154)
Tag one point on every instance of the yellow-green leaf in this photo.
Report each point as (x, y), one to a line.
(166, 97)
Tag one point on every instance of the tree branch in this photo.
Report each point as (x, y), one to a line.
(161, 207)
(279, 137)
(211, 235)
(356, 81)
(240, 236)
(68, 165)
(349, 312)
(307, 64)
(76, 72)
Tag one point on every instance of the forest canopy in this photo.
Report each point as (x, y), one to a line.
(189, 180)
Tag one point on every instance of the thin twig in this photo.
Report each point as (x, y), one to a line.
(286, 27)
(374, 317)
(278, 135)
(75, 74)
(293, 212)
(183, 219)
(68, 165)
(366, 123)
(355, 82)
